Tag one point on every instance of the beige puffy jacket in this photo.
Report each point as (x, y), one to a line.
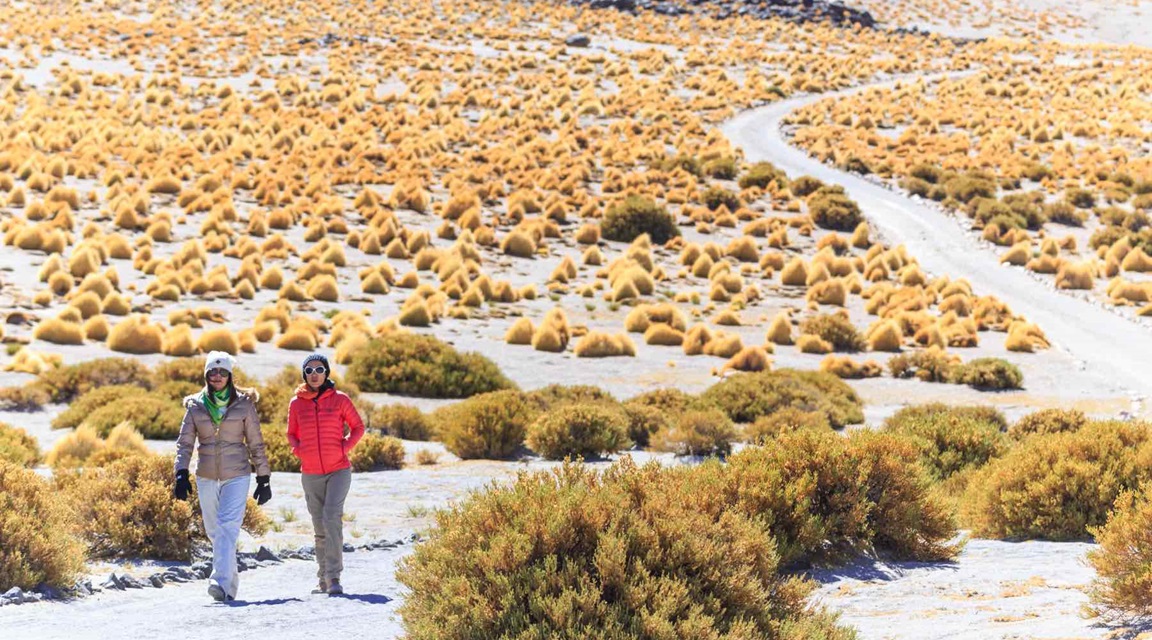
(227, 450)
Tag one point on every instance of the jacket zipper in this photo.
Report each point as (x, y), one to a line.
(319, 450)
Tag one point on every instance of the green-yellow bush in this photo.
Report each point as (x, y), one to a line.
(375, 452)
(36, 525)
(489, 425)
(701, 432)
(1048, 421)
(1055, 486)
(629, 549)
(836, 329)
(583, 430)
(784, 420)
(156, 418)
(418, 365)
(17, 447)
(747, 396)
(636, 216)
(989, 374)
(930, 365)
(401, 421)
(824, 497)
(1123, 559)
(834, 210)
(75, 449)
(276, 446)
(950, 443)
(643, 422)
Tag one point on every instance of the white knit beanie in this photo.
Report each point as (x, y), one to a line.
(219, 360)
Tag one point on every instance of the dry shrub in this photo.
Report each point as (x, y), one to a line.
(951, 440)
(749, 359)
(748, 396)
(488, 425)
(425, 457)
(584, 430)
(622, 544)
(401, 421)
(644, 421)
(27, 398)
(886, 336)
(418, 365)
(375, 452)
(549, 338)
(795, 273)
(635, 216)
(297, 339)
(218, 339)
(416, 314)
(518, 243)
(1057, 485)
(1048, 421)
(1123, 560)
(808, 343)
(520, 332)
(59, 331)
(660, 334)
(323, 287)
(1075, 275)
(697, 432)
(930, 365)
(782, 421)
(74, 449)
(780, 331)
(68, 382)
(36, 524)
(137, 335)
(846, 367)
(17, 447)
(596, 344)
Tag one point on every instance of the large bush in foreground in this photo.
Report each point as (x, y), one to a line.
(1123, 561)
(636, 552)
(582, 430)
(825, 497)
(127, 510)
(636, 215)
(411, 364)
(748, 396)
(36, 529)
(1055, 486)
(490, 425)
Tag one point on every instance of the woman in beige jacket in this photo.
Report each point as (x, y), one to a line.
(223, 419)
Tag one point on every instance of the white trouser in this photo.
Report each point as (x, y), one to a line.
(222, 504)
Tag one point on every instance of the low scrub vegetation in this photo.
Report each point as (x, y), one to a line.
(411, 364)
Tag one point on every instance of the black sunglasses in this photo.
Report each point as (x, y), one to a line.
(218, 372)
(310, 370)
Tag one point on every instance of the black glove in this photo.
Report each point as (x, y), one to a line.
(183, 486)
(263, 491)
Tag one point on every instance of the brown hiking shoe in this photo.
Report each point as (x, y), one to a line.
(334, 588)
(322, 588)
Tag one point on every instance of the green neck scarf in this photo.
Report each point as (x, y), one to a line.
(215, 402)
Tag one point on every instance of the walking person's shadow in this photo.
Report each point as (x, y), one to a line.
(261, 603)
(366, 598)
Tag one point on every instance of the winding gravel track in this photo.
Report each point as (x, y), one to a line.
(1099, 339)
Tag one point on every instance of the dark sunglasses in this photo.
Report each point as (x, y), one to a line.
(217, 372)
(310, 370)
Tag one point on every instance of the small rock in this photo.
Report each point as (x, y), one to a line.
(157, 580)
(264, 554)
(131, 583)
(113, 582)
(348, 548)
(578, 40)
(49, 592)
(15, 595)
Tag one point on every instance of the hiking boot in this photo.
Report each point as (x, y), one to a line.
(334, 588)
(322, 588)
(217, 592)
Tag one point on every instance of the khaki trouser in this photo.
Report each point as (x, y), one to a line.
(325, 497)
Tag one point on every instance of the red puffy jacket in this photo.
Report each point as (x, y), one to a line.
(316, 429)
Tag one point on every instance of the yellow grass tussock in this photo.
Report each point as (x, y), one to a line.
(136, 334)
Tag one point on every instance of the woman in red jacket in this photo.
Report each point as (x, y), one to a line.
(316, 420)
